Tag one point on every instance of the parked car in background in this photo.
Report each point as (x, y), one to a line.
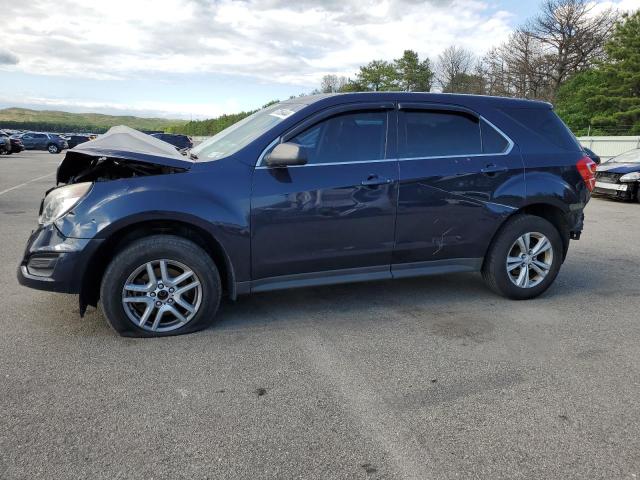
(592, 155)
(619, 177)
(181, 142)
(5, 143)
(51, 142)
(312, 191)
(73, 140)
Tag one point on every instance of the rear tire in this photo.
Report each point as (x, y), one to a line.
(140, 303)
(53, 148)
(513, 267)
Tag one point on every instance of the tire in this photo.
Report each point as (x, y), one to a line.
(129, 268)
(53, 148)
(506, 249)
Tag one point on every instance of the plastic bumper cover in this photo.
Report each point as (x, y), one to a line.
(54, 262)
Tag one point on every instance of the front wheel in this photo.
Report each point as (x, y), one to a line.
(524, 259)
(53, 148)
(160, 285)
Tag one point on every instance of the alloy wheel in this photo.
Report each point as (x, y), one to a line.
(529, 260)
(162, 295)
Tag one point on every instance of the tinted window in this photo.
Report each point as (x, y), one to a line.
(427, 133)
(492, 141)
(545, 123)
(38, 135)
(350, 137)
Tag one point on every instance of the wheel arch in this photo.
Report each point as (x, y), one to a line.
(550, 212)
(128, 233)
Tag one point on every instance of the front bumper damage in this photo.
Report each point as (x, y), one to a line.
(54, 262)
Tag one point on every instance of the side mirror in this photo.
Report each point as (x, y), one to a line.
(286, 154)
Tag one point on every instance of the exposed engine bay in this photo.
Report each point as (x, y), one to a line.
(104, 169)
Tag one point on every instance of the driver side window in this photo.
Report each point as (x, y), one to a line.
(349, 137)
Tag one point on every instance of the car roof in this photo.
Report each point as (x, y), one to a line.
(448, 98)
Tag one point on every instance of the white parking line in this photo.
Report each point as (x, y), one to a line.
(26, 183)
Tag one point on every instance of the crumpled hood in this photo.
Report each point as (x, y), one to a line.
(122, 143)
(612, 167)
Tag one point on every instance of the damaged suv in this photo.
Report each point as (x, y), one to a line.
(312, 191)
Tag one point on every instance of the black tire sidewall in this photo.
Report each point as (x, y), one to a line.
(495, 264)
(154, 248)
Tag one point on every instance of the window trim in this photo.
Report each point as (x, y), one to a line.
(384, 106)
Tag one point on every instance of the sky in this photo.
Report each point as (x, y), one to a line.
(201, 58)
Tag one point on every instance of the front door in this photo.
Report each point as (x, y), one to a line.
(337, 212)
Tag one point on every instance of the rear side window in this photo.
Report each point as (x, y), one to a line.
(545, 123)
(431, 133)
(492, 140)
(349, 137)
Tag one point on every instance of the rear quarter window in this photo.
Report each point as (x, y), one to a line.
(546, 124)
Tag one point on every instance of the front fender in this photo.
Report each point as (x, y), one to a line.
(221, 208)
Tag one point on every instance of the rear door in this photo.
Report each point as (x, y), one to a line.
(457, 178)
(337, 212)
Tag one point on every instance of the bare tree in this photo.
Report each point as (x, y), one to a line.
(571, 36)
(454, 64)
(332, 83)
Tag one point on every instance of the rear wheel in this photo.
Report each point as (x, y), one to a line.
(160, 285)
(524, 259)
(53, 148)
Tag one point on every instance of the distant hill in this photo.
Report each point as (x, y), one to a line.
(55, 121)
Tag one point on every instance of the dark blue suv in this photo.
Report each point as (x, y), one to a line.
(312, 191)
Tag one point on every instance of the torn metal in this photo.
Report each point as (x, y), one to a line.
(120, 153)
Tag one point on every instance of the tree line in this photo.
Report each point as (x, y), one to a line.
(585, 61)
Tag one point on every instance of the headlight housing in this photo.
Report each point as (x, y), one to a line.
(630, 177)
(61, 200)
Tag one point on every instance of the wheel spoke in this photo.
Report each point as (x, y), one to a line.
(513, 266)
(152, 275)
(186, 288)
(147, 313)
(539, 270)
(164, 273)
(542, 265)
(522, 245)
(542, 246)
(523, 278)
(133, 287)
(158, 317)
(146, 300)
(177, 314)
(181, 278)
(188, 307)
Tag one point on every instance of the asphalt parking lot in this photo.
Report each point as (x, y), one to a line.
(432, 378)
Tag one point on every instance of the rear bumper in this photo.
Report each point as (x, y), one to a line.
(54, 262)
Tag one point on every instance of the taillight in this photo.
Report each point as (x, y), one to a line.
(587, 169)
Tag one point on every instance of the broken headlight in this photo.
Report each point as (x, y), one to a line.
(630, 177)
(61, 200)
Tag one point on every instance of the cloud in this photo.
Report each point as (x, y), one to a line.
(271, 40)
(8, 58)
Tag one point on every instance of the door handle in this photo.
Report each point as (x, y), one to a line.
(373, 180)
(491, 169)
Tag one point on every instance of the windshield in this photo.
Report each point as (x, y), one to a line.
(632, 156)
(240, 134)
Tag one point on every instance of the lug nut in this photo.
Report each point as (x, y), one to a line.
(158, 304)
(160, 285)
(170, 300)
(153, 294)
(171, 290)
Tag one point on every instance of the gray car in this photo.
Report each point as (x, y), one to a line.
(51, 142)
